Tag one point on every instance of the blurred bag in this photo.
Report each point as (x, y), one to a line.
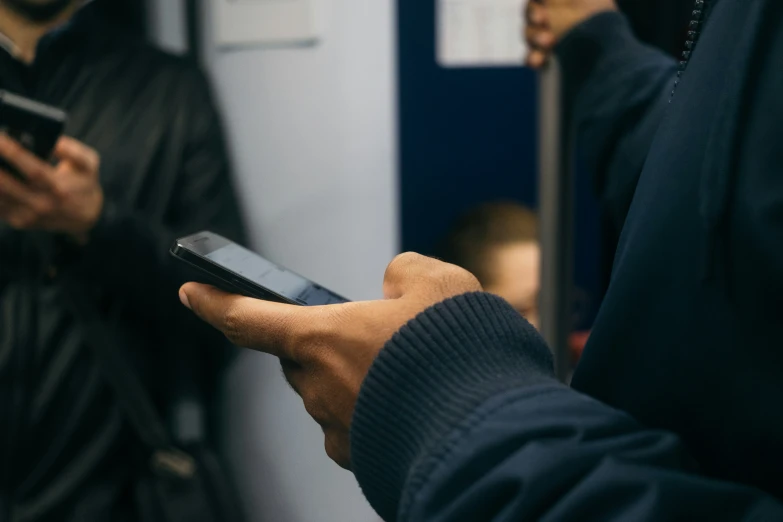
(178, 484)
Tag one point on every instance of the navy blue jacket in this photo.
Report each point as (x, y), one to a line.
(676, 411)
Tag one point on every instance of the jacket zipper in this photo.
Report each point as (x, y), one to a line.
(698, 17)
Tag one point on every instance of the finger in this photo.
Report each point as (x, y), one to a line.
(544, 41)
(293, 374)
(272, 328)
(80, 155)
(406, 272)
(536, 15)
(536, 59)
(14, 191)
(38, 172)
(337, 446)
(301, 379)
(539, 39)
(397, 272)
(17, 216)
(22, 206)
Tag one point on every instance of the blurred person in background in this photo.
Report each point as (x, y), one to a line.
(442, 399)
(498, 243)
(143, 162)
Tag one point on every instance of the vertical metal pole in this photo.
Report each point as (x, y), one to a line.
(556, 202)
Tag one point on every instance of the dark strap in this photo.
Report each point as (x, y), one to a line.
(131, 394)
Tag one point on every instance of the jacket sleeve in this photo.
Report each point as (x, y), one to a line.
(618, 90)
(460, 419)
(128, 252)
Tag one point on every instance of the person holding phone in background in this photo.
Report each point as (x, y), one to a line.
(442, 399)
(142, 161)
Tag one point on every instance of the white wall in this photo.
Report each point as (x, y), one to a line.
(167, 26)
(312, 132)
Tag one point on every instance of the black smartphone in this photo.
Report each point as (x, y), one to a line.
(236, 269)
(33, 124)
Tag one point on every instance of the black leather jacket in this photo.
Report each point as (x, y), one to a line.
(165, 174)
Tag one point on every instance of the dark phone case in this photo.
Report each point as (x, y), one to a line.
(36, 126)
(212, 274)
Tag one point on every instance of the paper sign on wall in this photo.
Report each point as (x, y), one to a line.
(240, 23)
(480, 33)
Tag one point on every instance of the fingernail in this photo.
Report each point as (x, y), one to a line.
(184, 298)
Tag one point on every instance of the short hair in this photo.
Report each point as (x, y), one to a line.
(471, 239)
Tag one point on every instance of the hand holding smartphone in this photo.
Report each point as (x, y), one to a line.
(36, 126)
(236, 269)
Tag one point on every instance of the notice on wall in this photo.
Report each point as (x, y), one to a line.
(271, 23)
(480, 33)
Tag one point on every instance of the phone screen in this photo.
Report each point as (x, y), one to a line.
(266, 274)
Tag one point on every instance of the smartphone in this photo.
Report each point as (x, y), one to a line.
(36, 126)
(236, 269)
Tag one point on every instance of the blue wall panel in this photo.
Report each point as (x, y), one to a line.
(468, 136)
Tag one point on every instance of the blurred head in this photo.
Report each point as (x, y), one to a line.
(498, 243)
(39, 10)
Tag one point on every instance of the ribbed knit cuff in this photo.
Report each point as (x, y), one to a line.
(429, 377)
(596, 40)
